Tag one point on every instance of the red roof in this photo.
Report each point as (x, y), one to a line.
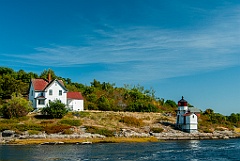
(39, 84)
(75, 95)
(187, 114)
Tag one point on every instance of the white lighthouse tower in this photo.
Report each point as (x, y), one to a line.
(187, 117)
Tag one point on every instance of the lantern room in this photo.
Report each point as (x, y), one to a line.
(182, 102)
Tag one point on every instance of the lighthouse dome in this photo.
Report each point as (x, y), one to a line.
(182, 102)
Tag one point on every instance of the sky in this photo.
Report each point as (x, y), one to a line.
(179, 47)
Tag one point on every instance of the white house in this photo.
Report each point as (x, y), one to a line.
(187, 117)
(42, 91)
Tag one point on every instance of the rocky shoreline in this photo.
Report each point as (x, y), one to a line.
(9, 136)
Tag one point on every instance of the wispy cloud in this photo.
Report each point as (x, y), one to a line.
(145, 52)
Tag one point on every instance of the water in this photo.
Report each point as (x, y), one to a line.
(193, 150)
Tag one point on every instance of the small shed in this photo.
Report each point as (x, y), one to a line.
(75, 101)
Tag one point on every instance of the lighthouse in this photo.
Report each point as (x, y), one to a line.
(187, 117)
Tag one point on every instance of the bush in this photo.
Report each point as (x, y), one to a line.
(55, 109)
(71, 122)
(156, 130)
(81, 114)
(101, 131)
(56, 129)
(26, 127)
(132, 121)
(16, 107)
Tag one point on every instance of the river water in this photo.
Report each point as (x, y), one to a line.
(169, 150)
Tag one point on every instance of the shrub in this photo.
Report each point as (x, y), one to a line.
(16, 107)
(56, 129)
(68, 131)
(101, 131)
(26, 127)
(81, 114)
(156, 130)
(55, 109)
(71, 122)
(46, 122)
(33, 132)
(9, 121)
(132, 121)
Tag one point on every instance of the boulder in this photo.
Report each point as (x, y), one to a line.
(8, 133)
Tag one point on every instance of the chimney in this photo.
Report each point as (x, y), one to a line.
(49, 77)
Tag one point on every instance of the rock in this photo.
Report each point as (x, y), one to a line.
(8, 133)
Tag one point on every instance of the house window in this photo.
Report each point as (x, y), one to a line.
(41, 102)
(32, 93)
(50, 92)
(60, 92)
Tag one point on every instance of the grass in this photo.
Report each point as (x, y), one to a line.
(80, 140)
(237, 130)
(132, 121)
(71, 122)
(96, 122)
(101, 131)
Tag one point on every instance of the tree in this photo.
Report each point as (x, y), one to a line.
(55, 109)
(170, 103)
(208, 111)
(16, 107)
(45, 73)
(9, 85)
(234, 118)
(103, 104)
(96, 84)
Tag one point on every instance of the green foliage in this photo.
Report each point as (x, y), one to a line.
(45, 73)
(208, 111)
(101, 131)
(26, 127)
(55, 109)
(132, 121)
(103, 104)
(156, 130)
(11, 81)
(71, 122)
(16, 107)
(53, 129)
(81, 114)
(141, 107)
(103, 96)
(171, 103)
(234, 117)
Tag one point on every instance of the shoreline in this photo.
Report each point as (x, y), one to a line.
(59, 139)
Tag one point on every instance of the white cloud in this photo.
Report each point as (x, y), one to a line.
(145, 53)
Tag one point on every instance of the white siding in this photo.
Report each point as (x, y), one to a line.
(35, 96)
(31, 96)
(75, 105)
(186, 123)
(55, 87)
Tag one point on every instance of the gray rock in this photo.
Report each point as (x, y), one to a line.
(8, 133)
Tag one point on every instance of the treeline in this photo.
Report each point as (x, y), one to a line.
(98, 95)
(105, 96)
(211, 119)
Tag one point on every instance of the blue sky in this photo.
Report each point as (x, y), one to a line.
(179, 47)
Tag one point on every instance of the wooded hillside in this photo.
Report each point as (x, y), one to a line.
(106, 96)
